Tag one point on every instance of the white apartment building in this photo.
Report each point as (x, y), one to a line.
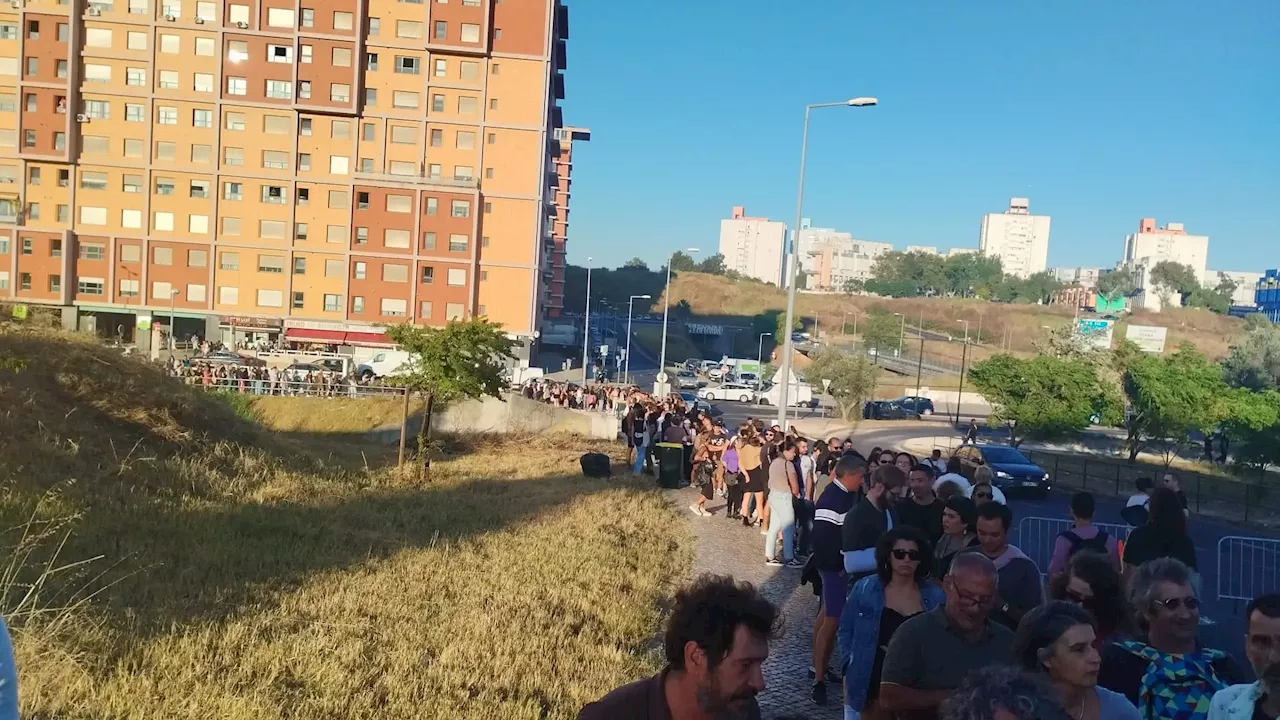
(1018, 238)
(1246, 283)
(1085, 277)
(753, 246)
(1152, 245)
(831, 258)
(926, 249)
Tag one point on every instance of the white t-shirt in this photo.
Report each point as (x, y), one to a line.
(1142, 499)
(967, 488)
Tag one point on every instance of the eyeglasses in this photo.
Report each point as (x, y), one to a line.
(1172, 604)
(978, 601)
(912, 555)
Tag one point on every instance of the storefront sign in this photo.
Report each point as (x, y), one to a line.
(335, 326)
(249, 323)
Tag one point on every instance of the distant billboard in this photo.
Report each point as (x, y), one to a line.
(1149, 338)
(1097, 333)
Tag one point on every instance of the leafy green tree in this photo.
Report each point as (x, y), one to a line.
(1216, 299)
(713, 265)
(1254, 363)
(1117, 284)
(1171, 278)
(913, 274)
(853, 379)
(969, 273)
(460, 361)
(882, 332)
(1040, 397)
(681, 260)
(1255, 425)
(780, 330)
(682, 310)
(1167, 396)
(852, 286)
(636, 262)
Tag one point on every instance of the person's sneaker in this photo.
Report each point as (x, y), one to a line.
(794, 563)
(765, 532)
(832, 675)
(773, 562)
(704, 512)
(695, 509)
(819, 693)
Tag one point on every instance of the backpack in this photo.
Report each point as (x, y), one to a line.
(595, 465)
(1097, 543)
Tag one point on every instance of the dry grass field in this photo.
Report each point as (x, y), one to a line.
(712, 295)
(166, 558)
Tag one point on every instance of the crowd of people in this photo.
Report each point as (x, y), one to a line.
(926, 609)
(593, 397)
(262, 380)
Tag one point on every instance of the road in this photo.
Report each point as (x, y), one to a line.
(1223, 626)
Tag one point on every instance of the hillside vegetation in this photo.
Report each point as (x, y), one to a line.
(168, 558)
(740, 300)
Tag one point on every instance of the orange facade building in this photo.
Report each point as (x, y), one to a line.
(291, 167)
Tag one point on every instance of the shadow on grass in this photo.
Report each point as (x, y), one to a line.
(207, 563)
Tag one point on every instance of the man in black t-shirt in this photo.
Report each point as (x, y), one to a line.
(923, 510)
(1171, 482)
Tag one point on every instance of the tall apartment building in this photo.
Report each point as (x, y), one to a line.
(1018, 238)
(753, 246)
(1151, 245)
(306, 169)
(553, 270)
(1085, 277)
(831, 258)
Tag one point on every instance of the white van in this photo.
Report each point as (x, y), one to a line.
(383, 363)
(798, 395)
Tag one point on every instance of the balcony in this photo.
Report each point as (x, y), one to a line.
(420, 179)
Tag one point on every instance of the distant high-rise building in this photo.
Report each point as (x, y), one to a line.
(831, 258)
(1246, 284)
(1085, 277)
(1151, 245)
(753, 246)
(1018, 238)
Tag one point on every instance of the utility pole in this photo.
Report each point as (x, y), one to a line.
(919, 371)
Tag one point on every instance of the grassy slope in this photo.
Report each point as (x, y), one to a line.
(244, 579)
(714, 296)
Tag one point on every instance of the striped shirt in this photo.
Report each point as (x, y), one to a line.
(828, 522)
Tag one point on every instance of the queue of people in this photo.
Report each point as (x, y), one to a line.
(594, 397)
(926, 610)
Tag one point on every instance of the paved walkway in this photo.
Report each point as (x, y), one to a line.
(725, 547)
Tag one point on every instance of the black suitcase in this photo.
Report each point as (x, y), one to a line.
(595, 465)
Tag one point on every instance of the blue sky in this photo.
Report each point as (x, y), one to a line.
(1102, 112)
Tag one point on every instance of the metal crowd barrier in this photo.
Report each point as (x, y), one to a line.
(1036, 536)
(1247, 567)
(253, 386)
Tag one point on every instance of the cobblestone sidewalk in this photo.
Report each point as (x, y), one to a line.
(726, 547)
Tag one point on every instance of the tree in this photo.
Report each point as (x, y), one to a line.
(1167, 396)
(1255, 424)
(969, 273)
(882, 332)
(913, 274)
(636, 262)
(713, 265)
(1216, 299)
(780, 330)
(1254, 364)
(460, 361)
(1040, 397)
(853, 379)
(682, 261)
(852, 286)
(1171, 277)
(1117, 284)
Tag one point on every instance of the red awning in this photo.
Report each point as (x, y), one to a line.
(308, 335)
(364, 338)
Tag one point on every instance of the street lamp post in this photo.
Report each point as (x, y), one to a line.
(760, 360)
(964, 357)
(173, 321)
(902, 333)
(586, 325)
(626, 372)
(666, 308)
(794, 254)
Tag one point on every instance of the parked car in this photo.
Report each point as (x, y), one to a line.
(728, 391)
(297, 372)
(697, 403)
(226, 357)
(922, 405)
(716, 373)
(385, 362)
(747, 378)
(707, 365)
(888, 410)
(1013, 472)
(687, 380)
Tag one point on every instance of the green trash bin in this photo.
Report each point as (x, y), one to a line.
(670, 457)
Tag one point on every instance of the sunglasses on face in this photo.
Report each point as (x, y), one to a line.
(912, 555)
(1172, 604)
(1077, 598)
(982, 495)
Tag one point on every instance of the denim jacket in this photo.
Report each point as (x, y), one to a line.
(859, 633)
(8, 677)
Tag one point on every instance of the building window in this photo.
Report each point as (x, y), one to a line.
(93, 251)
(280, 54)
(457, 243)
(279, 90)
(470, 33)
(437, 103)
(428, 241)
(395, 238)
(55, 248)
(202, 118)
(339, 92)
(406, 65)
(136, 77)
(229, 261)
(300, 231)
(441, 30)
(270, 298)
(375, 26)
(130, 288)
(457, 277)
(359, 270)
(228, 296)
(271, 264)
(298, 303)
(424, 312)
(167, 115)
(453, 311)
(333, 303)
(357, 304)
(299, 266)
(428, 275)
(433, 206)
(395, 273)
(394, 307)
(371, 62)
(343, 21)
(362, 235)
(90, 286)
(197, 258)
(237, 86)
(399, 203)
(161, 256)
(24, 281)
(461, 208)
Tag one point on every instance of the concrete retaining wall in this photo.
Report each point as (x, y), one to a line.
(519, 414)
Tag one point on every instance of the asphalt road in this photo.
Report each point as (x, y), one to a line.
(1222, 621)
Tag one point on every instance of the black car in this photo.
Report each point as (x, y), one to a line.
(888, 410)
(922, 405)
(1012, 471)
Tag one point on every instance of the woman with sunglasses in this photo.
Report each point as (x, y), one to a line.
(905, 462)
(959, 516)
(877, 605)
(1057, 639)
(1091, 581)
(886, 457)
(983, 489)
